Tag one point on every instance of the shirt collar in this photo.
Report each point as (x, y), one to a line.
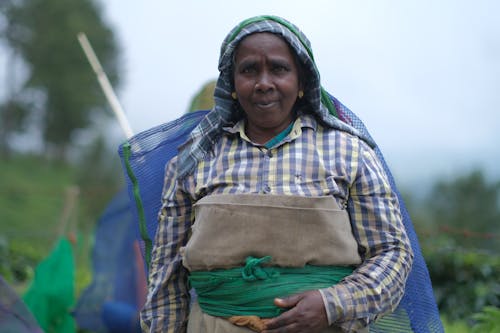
(302, 121)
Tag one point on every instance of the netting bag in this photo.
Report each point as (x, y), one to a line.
(112, 301)
(144, 158)
(145, 155)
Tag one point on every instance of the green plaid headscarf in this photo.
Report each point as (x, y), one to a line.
(224, 113)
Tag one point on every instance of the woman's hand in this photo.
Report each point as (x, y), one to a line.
(306, 314)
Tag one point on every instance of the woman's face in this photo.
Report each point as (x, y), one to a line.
(266, 81)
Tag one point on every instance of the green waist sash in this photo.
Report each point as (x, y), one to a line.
(251, 290)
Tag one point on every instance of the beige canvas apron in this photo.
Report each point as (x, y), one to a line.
(293, 230)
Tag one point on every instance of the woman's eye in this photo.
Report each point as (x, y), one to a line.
(247, 70)
(280, 69)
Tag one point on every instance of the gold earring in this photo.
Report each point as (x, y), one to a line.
(301, 94)
(234, 96)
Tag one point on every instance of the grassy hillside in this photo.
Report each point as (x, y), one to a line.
(32, 195)
(36, 209)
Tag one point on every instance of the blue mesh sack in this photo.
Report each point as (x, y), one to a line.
(112, 301)
(145, 155)
(417, 308)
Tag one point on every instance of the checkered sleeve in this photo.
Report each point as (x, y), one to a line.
(377, 285)
(167, 304)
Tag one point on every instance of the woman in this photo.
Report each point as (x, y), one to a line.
(278, 212)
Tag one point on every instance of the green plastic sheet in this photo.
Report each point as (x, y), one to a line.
(52, 292)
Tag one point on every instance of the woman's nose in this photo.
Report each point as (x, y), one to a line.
(264, 82)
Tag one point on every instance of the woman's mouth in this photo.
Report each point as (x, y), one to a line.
(265, 104)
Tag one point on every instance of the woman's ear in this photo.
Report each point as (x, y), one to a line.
(301, 87)
(302, 81)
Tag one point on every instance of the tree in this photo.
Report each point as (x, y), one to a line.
(204, 99)
(469, 208)
(43, 33)
(13, 112)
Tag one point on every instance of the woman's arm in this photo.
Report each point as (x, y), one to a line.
(377, 285)
(167, 303)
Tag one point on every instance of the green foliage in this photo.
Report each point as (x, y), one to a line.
(98, 176)
(464, 281)
(13, 114)
(17, 261)
(458, 228)
(487, 321)
(204, 99)
(467, 206)
(456, 326)
(32, 201)
(32, 195)
(43, 33)
(83, 274)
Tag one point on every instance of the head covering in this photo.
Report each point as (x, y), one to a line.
(319, 102)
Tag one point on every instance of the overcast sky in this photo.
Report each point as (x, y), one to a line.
(423, 75)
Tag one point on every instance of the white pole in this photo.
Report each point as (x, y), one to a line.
(105, 85)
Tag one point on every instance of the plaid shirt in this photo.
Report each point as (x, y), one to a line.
(310, 161)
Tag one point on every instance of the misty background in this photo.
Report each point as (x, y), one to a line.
(424, 76)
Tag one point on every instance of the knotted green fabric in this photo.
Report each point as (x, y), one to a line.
(251, 289)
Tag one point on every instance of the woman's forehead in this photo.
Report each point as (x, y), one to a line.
(263, 40)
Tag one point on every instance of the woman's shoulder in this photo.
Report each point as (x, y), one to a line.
(327, 131)
(336, 135)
